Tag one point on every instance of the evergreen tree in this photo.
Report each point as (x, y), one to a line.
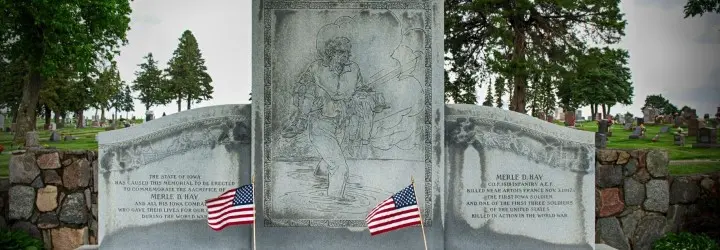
(150, 85)
(188, 79)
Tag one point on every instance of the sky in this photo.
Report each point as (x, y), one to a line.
(669, 55)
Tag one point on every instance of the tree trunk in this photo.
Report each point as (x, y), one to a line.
(517, 100)
(28, 104)
(80, 119)
(604, 113)
(179, 103)
(63, 117)
(47, 116)
(608, 110)
(188, 103)
(102, 116)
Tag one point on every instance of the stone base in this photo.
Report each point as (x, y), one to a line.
(705, 145)
(634, 137)
(94, 247)
(604, 247)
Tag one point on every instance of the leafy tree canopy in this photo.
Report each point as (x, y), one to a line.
(509, 42)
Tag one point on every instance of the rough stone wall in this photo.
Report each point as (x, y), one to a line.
(53, 196)
(637, 201)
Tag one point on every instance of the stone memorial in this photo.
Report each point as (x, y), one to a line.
(570, 118)
(665, 129)
(149, 115)
(627, 126)
(516, 183)
(636, 133)
(706, 138)
(153, 179)
(350, 108)
(693, 126)
(679, 139)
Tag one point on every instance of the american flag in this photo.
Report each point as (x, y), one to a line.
(234, 207)
(399, 211)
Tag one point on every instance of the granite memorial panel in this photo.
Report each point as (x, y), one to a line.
(154, 178)
(349, 107)
(514, 182)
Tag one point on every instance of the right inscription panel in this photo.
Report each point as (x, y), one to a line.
(517, 182)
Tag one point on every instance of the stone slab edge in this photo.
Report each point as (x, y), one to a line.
(498, 114)
(177, 119)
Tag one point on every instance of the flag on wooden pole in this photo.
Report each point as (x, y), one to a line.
(233, 207)
(399, 211)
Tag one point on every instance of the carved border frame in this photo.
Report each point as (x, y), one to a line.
(267, 7)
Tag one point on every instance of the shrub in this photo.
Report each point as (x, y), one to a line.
(687, 241)
(19, 240)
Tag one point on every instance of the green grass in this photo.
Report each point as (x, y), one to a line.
(620, 140)
(695, 168)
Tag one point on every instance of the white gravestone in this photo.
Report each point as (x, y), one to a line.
(154, 178)
(515, 182)
(348, 108)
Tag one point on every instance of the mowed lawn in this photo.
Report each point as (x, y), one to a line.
(619, 139)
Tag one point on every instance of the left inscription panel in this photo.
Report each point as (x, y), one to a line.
(154, 178)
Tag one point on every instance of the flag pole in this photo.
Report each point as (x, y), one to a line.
(422, 226)
(252, 181)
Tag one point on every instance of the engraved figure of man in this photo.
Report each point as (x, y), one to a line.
(336, 107)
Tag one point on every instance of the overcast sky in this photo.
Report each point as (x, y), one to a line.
(669, 55)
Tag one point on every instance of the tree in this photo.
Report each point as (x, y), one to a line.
(488, 98)
(598, 77)
(12, 78)
(507, 38)
(187, 73)
(51, 34)
(150, 85)
(107, 86)
(128, 102)
(699, 7)
(661, 104)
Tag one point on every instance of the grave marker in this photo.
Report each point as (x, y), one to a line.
(636, 133)
(329, 150)
(154, 178)
(515, 182)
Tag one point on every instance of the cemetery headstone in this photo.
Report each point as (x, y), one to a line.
(13, 127)
(55, 136)
(664, 129)
(570, 118)
(325, 175)
(636, 133)
(679, 139)
(628, 126)
(154, 178)
(603, 127)
(706, 138)
(149, 116)
(516, 182)
(693, 126)
(639, 121)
